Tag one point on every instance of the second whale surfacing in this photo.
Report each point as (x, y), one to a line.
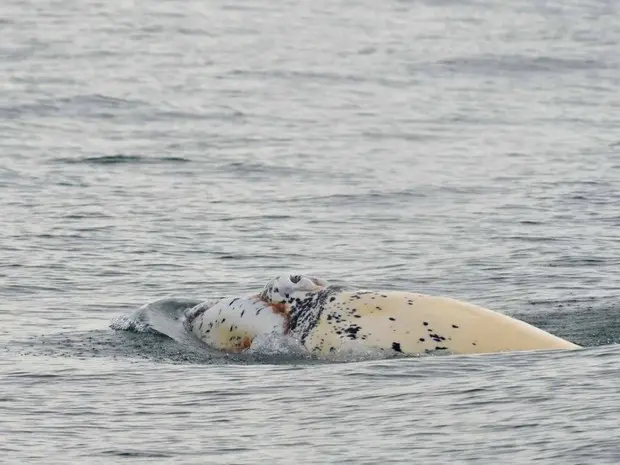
(327, 318)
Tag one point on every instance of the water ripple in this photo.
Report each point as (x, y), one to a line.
(121, 159)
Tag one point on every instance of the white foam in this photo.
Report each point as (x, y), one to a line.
(130, 323)
(274, 344)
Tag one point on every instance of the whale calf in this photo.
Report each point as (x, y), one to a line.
(326, 318)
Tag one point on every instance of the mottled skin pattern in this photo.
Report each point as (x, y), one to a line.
(232, 324)
(303, 307)
(287, 305)
(411, 323)
(326, 318)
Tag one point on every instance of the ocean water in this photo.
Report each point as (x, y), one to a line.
(197, 149)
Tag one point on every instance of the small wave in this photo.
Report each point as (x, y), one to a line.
(359, 198)
(135, 454)
(122, 159)
(490, 63)
(100, 100)
(258, 168)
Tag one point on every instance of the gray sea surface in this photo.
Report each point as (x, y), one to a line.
(199, 148)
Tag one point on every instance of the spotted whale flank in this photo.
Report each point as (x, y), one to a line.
(232, 324)
(326, 318)
(412, 323)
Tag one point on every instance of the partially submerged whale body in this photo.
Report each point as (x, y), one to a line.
(327, 318)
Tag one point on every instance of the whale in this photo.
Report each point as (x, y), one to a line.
(327, 318)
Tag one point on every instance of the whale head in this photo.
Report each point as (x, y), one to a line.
(300, 299)
(287, 288)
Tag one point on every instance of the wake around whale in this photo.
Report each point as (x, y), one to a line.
(324, 319)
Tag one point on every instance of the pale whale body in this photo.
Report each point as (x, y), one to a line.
(326, 318)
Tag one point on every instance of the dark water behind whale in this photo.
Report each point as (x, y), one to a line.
(197, 149)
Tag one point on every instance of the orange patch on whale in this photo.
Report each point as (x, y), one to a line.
(282, 309)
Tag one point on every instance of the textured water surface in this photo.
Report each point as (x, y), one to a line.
(196, 149)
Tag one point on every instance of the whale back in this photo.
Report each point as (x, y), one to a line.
(414, 323)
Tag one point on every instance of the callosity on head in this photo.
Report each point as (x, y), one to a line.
(284, 288)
